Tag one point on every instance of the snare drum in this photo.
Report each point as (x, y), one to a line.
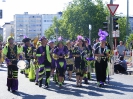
(70, 61)
(23, 64)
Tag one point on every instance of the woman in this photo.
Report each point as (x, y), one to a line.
(70, 59)
(101, 54)
(79, 53)
(60, 52)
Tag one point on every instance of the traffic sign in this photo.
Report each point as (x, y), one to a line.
(116, 33)
(112, 8)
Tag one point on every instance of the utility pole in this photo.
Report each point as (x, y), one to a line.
(111, 28)
(127, 29)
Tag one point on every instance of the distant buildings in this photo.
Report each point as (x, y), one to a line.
(131, 23)
(32, 25)
(8, 30)
(47, 20)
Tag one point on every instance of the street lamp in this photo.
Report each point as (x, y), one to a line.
(127, 29)
(90, 28)
(56, 32)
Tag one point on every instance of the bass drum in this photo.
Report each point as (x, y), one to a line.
(23, 64)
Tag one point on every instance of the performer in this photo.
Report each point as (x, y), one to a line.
(70, 59)
(44, 60)
(89, 61)
(80, 53)
(101, 54)
(28, 50)
(60, 53)
(11, 54)
(53, 65)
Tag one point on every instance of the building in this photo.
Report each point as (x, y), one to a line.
(1, 31)
(8, 30)
(47, 20)
(131, 23)
(29, 25)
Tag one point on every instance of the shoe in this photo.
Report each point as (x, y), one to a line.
(36, 83)
(21, 72)
(13, 91)
(47, 86)
(8, 89)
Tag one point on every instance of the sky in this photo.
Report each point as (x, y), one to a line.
(12, 7)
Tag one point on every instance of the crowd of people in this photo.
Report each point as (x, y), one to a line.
(45, 57)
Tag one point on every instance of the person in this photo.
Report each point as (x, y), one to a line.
(121, 67)
(44, 61)
(121, 49)
(59, 54)
(28, 50)
(70, 59)
(11, 54)
(79, 54)
(101, 54)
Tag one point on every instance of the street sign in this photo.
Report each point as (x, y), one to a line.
(112, 8)
(116, 33)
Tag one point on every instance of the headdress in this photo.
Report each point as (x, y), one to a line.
(79, 37)
(43, 37)
(60, 39)
(102, 34)
(88, 41)
(26, 39)
(10, 37)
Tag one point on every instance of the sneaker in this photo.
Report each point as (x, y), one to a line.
(8, 89)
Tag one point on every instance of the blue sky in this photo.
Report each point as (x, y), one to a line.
(11, 7)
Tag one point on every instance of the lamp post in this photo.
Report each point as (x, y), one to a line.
(90, 28)
(127, 28)
(56, 33)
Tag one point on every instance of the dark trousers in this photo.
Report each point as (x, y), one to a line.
(47, 81)
(12, 79)
(101, 70)
(119, 68)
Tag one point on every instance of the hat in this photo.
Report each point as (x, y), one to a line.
(9, 37)
(43, 37)
(102, 34)
(79, 37)
(26, 39)
(88, 41)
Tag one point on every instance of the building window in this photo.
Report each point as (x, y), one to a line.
(45, 20)
(132, 28)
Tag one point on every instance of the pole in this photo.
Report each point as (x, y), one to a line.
(127, 18)
(111, 28)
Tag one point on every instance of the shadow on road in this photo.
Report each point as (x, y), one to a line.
(27, 96)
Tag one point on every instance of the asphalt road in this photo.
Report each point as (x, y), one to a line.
(120, 87)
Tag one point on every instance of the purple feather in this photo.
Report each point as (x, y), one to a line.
(79, 37)
(25, 36)
(43, 37)
(60, 38)
(102, 35)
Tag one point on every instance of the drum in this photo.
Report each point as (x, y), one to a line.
(23, 64)
(70, 61)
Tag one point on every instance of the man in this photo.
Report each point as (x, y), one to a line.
(11, 54)
(44, 61)
(28, 50)
(121, 66)
(121, 48)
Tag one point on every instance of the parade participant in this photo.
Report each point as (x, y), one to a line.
(79, 53)
(101, 54)
(53, 65)
(70, 59)
(11, 54)
(28, 50)
(60, 53)
(89, 61)
(44, 61)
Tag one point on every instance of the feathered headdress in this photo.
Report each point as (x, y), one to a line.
(60, 39)
(102, 34)
(79, 37)
(26, 39)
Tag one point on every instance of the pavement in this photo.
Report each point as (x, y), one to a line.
(120, 87)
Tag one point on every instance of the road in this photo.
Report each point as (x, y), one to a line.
(120, 87)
